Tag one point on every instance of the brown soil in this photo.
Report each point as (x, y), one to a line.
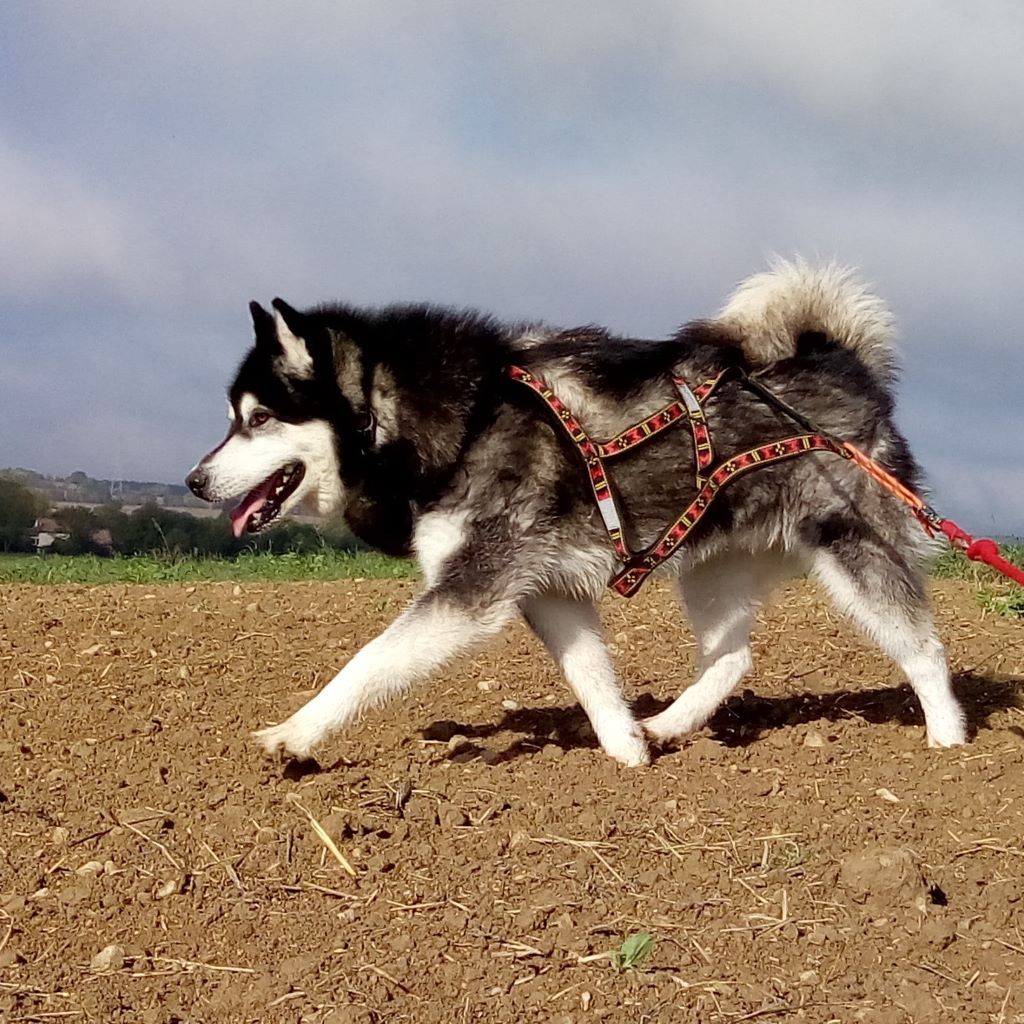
(803, 858)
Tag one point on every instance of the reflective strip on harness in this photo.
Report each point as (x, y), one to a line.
(599, 482)
(609, 513)
(688, 397)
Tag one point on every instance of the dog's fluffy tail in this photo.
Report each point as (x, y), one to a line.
(769, 311)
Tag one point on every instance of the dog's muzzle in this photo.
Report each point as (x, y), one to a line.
(197, 481)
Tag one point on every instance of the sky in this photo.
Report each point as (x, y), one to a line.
(163, 163)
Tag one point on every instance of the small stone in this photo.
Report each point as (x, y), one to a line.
(59, 836)
(810, 978)
(814, 739)
(457, 742)
(108, 960)
(168, 888)
(236, 591)
(510, 705)
(351, 1014)
(90, 869)
(450, 816)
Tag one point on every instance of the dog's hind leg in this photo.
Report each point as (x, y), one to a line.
(571, 631)
(434, 629)
(722, 597)
(884, 595)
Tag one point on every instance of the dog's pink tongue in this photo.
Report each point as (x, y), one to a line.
(249, 506)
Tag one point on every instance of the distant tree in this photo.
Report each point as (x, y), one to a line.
(19, 508)
(80, 524)
(154, 528)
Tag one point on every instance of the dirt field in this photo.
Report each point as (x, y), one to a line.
(803, 858)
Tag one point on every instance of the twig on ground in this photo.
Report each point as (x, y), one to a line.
(322, 833)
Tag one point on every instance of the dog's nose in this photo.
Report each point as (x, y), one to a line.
(196, 482)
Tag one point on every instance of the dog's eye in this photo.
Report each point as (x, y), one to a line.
(258, 418)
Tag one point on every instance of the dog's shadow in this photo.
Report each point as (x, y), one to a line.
(742, 720)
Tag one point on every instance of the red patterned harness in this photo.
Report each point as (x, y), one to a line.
(638, 565)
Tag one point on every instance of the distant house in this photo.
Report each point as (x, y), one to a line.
(45, 533)
(102, 541)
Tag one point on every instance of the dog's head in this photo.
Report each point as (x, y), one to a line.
(281, 451)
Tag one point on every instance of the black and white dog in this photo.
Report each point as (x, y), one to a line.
(404, 420)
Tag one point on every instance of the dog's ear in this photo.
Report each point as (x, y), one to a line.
(289, 332)
(262, 325)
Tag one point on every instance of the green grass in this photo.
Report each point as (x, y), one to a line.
(996, 594)
(323, 565)
(1006, 601)
(954, 565)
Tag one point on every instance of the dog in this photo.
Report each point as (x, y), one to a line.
(404, 419)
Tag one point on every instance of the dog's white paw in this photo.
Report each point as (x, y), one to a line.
(292, 738)
(954, 737)
(665, 728)
(627, 746)
(946, 726)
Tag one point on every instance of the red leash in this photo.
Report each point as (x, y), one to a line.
(981, 550)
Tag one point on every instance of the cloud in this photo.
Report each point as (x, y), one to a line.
(573, 161)
(942, 72)
(60, 235)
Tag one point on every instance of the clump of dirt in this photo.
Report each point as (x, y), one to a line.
(469, 854)
(882, 875)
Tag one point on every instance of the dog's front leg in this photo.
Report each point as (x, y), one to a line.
(434, 629)
(571, 631)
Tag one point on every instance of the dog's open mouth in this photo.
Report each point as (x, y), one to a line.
(262, 505)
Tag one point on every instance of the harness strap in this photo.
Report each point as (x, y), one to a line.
(591, 453)
(637, 566)
(632, 576)
(643, 431)
(704, 452)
